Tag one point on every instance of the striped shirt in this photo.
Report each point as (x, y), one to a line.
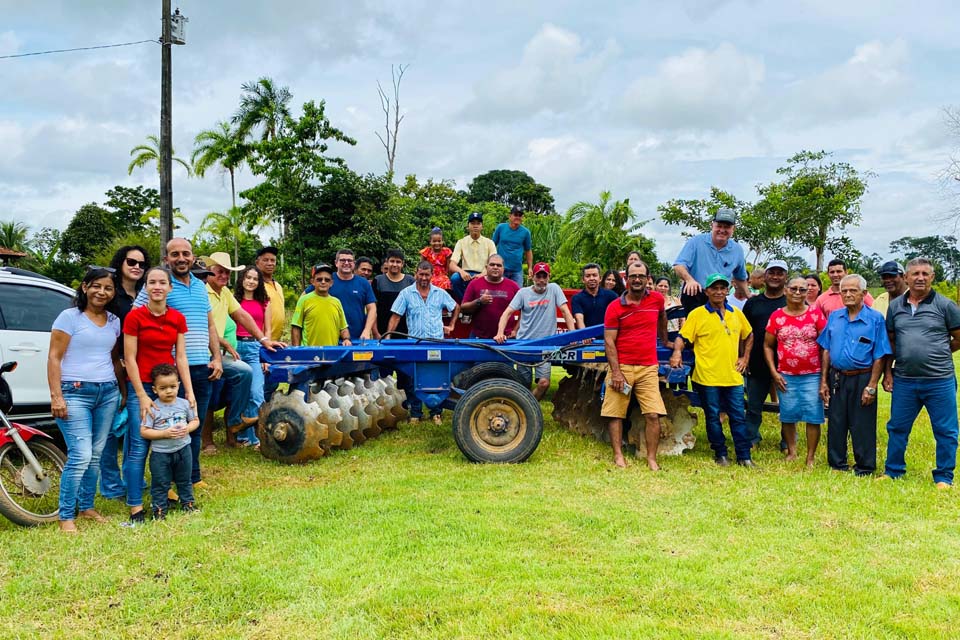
(192, 301)
(424, 318)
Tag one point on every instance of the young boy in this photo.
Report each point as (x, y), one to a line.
(319, 320)
(168, 426)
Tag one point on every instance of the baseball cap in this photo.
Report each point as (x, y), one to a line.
(517, 210)
(890, 268)
(541, 266)
(777, 264)
(714, 278)
(476, 216)
(322, 267)
(725, 215)
(264, 250)
(199, 269)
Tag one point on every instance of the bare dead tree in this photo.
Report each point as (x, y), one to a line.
(391, 112)
(949, 176)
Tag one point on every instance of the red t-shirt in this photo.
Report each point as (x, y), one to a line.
(637, 328)
(487, 316)
(156, 337)
(797, 351)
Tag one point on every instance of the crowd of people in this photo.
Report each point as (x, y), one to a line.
(149, 353)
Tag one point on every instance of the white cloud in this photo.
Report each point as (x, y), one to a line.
(556, 74)
(698, 89)
(9, 43)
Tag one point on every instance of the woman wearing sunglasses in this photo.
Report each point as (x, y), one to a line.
(129, 264)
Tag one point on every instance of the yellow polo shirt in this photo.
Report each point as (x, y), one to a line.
(716, 345)
(222, 305)
(472, 254)
(278, 312)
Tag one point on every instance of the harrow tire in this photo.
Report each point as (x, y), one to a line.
(497, 421)
(490, 371)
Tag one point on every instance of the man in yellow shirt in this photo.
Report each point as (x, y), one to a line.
(722, 339)
(470, 256)
(319, 320)
(266, 262)
(891, 274)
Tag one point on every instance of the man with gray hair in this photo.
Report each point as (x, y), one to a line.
(924, 329)
(855, 346)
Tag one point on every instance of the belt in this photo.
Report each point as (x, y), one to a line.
(854, 372)
(246, 339)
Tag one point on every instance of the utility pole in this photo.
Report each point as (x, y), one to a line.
(166, 183)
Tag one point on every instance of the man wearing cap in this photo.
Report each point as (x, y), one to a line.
(487, 297)
(891, 275)
(470, 255)
(318, 320)
(713, 252)
(632, 323)
(722, 339)
(590, 305)
(236, 373)
(266, 262)
(924, 330)
(514, 243)
(855, 345)
(356, 296)
(758, 310)
(189, 297)
(538, 306)
(832, 299)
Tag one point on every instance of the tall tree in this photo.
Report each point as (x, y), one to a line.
(512, 188)
(265, 105)
(391, 111)
(940, 250)
(144, 154)
(224, 146)
(604, 232)
(816, 199)
(13, 235)
(89, 230)
(128, 206)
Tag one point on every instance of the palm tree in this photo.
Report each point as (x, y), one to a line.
(262, 104)
(603, 232)
(221, 145)
(152, 218)
(13, 235)
(234, 224)
(144, 154)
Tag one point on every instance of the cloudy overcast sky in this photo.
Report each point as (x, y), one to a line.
(650, 100)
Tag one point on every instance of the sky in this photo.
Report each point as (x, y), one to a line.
(647, 100)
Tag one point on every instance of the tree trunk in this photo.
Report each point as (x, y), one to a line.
(233, 191)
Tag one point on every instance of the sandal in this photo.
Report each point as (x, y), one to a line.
(91, 514)
(210, 450)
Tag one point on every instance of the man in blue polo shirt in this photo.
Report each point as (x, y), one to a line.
(189, 297)
(356, 297)
(515, 245)
(855, 346)
(924, 328)
(590, 305)
(708, 253)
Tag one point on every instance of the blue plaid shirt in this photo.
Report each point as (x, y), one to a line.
(424, 317)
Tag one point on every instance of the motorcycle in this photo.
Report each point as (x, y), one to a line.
(30, 467)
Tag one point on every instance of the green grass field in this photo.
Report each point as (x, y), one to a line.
(402, 538)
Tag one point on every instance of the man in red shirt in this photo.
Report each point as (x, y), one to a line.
(487, 297)
(831, 300)
(632, 325)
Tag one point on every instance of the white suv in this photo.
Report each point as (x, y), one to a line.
(29, 303)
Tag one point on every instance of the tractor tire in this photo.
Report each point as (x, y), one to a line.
(497, 421)
(490, 371)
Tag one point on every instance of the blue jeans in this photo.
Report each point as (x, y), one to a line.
(90, 410)
(135, 447)
(111, 480)
(939, 396)
(458, 286)
(237, 380)
(249, 351)
(516, 276)
(166, 468)
(201, 391)
(729, 400)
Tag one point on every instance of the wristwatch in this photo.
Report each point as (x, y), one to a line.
(871, 391)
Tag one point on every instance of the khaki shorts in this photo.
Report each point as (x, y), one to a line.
(646, 387)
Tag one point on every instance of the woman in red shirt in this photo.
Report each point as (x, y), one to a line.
(793, 331)
(151, 335)
(251, 293)
(438, 256)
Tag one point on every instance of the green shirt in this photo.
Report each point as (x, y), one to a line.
(321, 318)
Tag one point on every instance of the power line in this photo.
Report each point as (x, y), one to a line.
(103, 46)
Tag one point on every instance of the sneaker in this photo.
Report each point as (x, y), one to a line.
(159, 514)
(189, 507)
(136, 519)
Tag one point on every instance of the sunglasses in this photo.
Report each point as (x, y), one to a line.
(797, 289)
(130, 262)
(93, 267)
(324, 279)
